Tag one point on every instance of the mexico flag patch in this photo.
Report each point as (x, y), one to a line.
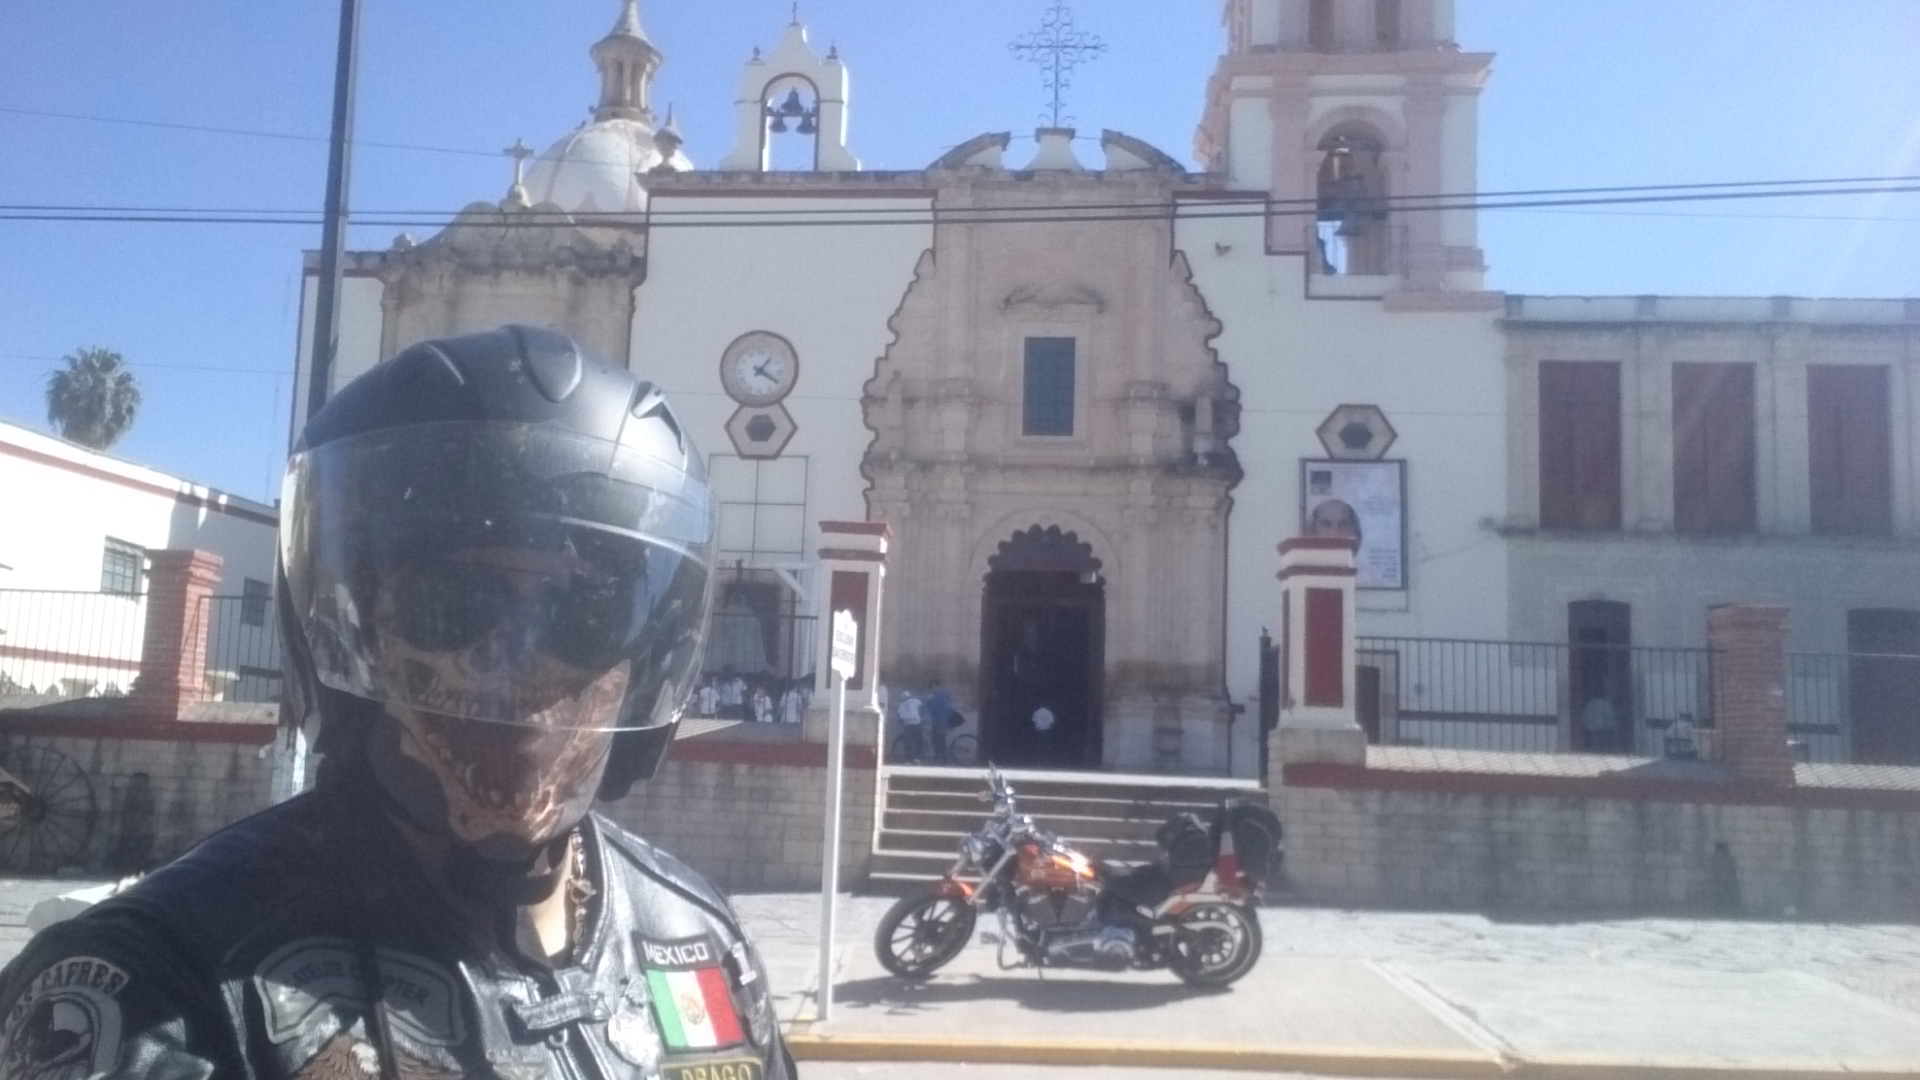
(690, 994)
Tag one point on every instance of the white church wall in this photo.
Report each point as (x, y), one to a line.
(830, 291)
(1250, 149)
(1439, 377)
(361, 322)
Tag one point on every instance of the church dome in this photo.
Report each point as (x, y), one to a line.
(597, 168)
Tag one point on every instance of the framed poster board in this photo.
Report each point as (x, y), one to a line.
(1363, 499)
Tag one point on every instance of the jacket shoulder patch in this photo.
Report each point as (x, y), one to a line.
(66, 1024)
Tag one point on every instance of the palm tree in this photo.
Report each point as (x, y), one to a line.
(93, 400)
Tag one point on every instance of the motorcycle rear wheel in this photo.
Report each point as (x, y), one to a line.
(921, 934)
(1215, 945)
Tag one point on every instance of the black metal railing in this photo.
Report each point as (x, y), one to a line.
(1854, 707)
(1533, 697)
(243, 649)
(62, 644)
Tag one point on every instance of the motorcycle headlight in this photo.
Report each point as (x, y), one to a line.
(974, 849)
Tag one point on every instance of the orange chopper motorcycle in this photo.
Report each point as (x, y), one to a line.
(1191, 910)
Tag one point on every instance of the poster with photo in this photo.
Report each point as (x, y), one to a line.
(1362, 499)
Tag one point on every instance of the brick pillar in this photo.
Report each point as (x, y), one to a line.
(173, 652)
(1750, 691)
(853, 572)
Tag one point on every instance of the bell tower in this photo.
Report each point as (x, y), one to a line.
(1342, 110)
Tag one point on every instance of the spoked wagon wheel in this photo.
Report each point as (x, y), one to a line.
(46, 812)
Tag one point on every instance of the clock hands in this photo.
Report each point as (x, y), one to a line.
(761, 370)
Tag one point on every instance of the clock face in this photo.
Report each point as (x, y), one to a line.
(759, 369)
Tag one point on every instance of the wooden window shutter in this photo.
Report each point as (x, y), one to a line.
(1850, 448)
(1580, 445)
(1713, 448)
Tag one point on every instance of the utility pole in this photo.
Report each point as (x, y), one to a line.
(290, 760)
(333, 241)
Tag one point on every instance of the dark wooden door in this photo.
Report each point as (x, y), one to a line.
(1600, 687)
(1883, 689)
(1042, 645)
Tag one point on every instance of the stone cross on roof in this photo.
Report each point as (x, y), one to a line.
(519, 152)
(1058, 47)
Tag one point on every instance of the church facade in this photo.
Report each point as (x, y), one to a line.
(1090, 389)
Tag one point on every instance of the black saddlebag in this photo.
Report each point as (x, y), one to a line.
(1189, 849)
(1256, 836)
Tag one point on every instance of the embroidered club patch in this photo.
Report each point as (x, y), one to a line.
(66, 1026)
(691, 999)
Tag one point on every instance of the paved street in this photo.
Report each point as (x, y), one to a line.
(1375, 982)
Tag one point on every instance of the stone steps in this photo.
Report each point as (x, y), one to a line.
(925, 812)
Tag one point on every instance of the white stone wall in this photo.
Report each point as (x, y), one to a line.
(1496, 851)
(361, 324)
(153, 799)
(751, 827)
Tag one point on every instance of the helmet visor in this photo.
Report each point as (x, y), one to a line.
(501, 573)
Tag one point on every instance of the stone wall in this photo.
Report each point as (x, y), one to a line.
(155, 797)
(753, 823)
(748, 815)
(1557, 845)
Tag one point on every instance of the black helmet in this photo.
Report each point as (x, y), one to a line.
(495, 554)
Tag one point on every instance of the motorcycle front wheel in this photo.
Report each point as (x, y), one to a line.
(1215, 944)
(921, 934)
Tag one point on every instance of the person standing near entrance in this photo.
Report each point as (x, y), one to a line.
(1043, 750)
(912, 726)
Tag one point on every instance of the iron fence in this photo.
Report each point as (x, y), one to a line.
(763, 647)
(1854, 707)
(243, 649)
(63, 644)
(1532, 697)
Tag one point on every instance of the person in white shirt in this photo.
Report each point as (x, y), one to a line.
(912, 721)
(709, 699)
(790, 705)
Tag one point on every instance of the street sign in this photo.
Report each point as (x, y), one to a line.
(842, 660)
(846, 644)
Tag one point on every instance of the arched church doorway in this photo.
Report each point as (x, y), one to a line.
(1043, 632)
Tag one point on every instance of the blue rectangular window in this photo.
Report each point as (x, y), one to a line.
(1049, 386)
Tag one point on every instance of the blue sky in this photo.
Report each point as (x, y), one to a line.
(1585, 92)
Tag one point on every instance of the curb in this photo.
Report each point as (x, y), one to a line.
(1325, 1061)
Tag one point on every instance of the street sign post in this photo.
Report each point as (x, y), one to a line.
(843, 660)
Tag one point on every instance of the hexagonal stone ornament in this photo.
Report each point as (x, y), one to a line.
(1357, 433)
(761, 433)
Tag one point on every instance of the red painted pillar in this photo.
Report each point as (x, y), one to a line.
(1319, 720)
(853, 574)
(173, 651)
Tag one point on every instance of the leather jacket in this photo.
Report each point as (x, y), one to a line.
(247, 958)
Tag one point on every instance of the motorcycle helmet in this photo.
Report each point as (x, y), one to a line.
(495, 567)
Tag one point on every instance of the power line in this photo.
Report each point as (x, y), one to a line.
(135, 365)
(466, 152)
(773, 218)
(1390, 201)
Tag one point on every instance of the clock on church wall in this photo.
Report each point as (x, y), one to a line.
(759, 369)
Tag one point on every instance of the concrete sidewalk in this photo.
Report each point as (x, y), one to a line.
(1395, 995)
(1369, 994)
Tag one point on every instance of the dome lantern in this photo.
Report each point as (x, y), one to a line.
(627, 61)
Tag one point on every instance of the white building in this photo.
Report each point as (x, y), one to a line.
(74, 546)
(1089, 390)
